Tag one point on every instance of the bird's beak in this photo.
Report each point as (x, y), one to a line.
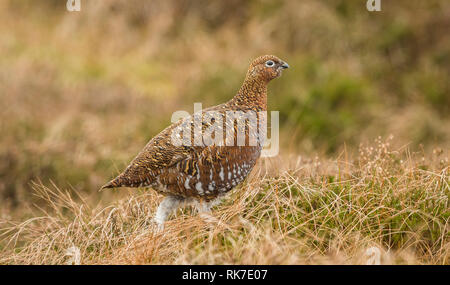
(284, 65)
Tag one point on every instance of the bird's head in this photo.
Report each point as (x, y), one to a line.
(266, 67)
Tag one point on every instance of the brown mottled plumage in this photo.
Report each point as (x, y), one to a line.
(200, 174)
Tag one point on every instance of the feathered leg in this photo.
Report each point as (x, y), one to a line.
(203, 207)
(204, 210)
(167, 206)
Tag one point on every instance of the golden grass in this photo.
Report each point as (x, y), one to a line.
(289, 211)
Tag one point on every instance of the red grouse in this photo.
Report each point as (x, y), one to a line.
(193, 170)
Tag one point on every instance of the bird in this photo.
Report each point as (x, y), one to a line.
(197, 173)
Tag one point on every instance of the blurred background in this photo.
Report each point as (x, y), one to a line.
(82, 92)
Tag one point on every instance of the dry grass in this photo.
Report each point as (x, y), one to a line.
(290, 211)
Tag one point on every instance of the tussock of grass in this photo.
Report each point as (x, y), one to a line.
(289, 211)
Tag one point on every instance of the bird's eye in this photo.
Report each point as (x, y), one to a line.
(270, 63)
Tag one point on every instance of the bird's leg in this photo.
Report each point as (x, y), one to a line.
(204, 210)
(203, 207)
(167, 206)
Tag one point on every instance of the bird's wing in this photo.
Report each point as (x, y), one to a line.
(160, 153)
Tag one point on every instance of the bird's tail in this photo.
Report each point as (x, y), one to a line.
(126, 179)
(119, 181)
